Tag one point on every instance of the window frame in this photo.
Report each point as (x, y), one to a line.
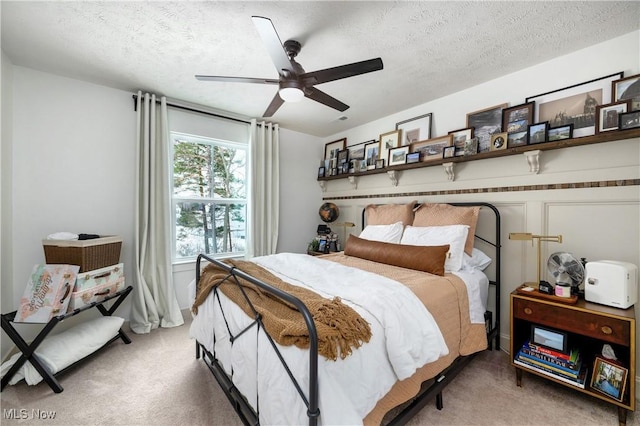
(214, 202)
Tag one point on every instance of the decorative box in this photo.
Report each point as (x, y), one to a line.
(95, 286)
(47, 294)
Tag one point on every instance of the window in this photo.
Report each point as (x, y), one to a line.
(209, 196)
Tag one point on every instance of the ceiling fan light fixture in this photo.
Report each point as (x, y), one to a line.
(291, 94)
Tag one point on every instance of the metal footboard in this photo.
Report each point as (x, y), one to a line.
(247, 414)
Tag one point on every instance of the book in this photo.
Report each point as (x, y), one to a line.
(578, 382)
(551, 352)
(573, 364)
(547, 365)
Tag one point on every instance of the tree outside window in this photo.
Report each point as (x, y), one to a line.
(209, 196)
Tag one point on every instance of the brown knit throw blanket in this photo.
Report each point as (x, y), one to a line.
(339, 327)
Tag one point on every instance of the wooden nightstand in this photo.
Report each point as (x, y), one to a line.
(588, 326)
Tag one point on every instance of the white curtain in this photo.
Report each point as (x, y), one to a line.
(154, 298)
(265, 189)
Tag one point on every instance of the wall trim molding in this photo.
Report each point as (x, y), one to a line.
(516, 188)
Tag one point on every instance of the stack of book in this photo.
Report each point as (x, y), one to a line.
(566, 367)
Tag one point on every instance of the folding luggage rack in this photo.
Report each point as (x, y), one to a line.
(28, 350)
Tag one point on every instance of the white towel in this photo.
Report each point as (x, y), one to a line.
(62, 236)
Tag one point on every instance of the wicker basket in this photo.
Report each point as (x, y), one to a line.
(88, 254)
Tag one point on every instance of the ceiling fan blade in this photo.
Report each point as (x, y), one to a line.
(236, 79)
(323, 98)
(271, 40)
(343, 71)
(276, 103)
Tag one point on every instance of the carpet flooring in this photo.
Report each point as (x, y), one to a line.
(156, 380)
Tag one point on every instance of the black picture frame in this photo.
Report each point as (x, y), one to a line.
(413, 157)
(537, 133)
(321, 172)
(629, 120)
(549, 338)
(449, 152)
(575, 104)
(560, 132)
(343, 157)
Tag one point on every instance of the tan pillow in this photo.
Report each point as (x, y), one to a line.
(388, 214)
(420, 258)
(433, 214)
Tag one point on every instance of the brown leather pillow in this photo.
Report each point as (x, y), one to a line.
(421, 258)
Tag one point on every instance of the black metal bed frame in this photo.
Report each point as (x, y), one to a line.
(249, 416)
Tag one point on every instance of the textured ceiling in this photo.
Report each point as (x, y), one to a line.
(429, 49)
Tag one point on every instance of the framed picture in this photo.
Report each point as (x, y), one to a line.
(380, 163)
(517, 139)
(607, 115)
(343, 157)
(627, 89)
(471, 146)
(415, 129)
(537, 133)
(413, 157)
(552, 339)
(431, 149)
(322, 246)
(629, 120)
(574, 104)
(486, 122)
(345, 167)
(459, 137)
(388, 141)
(331, 147)
(609, 379)
(321, 172)
(517, 118)
(356, 151)
(362, 165)
(398, 155)
(559, 133)
(449, 151)
(371, 154)
(499, 141)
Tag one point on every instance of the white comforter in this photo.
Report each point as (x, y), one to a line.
(404, 337)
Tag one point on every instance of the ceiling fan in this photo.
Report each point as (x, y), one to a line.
(294, 83)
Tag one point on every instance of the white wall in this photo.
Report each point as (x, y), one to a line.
(6, 222)
(68, 164)
(596, 223)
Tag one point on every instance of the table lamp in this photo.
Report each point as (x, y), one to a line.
(524, 236)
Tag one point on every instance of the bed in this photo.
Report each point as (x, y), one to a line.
(421, 295)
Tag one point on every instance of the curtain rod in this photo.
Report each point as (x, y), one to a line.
(186, 108)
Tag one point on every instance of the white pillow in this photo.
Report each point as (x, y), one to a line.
(477, 260)
(454, 235)
(384, 233)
